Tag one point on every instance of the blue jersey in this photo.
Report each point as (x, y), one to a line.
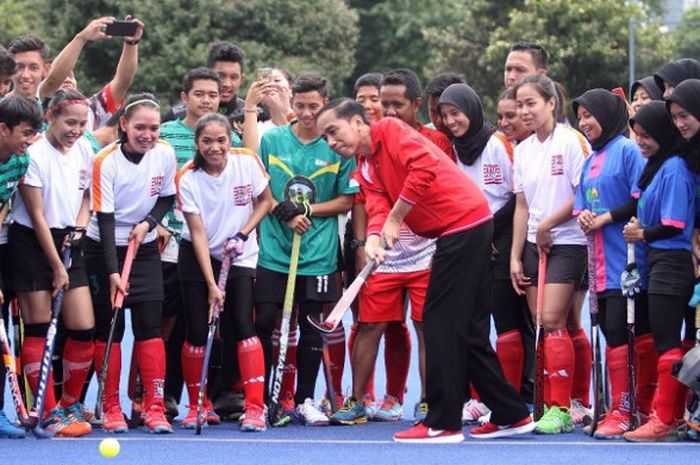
(669, 200)
(607, 180)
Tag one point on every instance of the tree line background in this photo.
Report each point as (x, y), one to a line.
(342, 39)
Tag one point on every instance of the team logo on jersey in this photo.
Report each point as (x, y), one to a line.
(83, 180)
(321, 163)
(492, 174)
(593, 199)
(156, 185)
(242, 195)
(300, 189)
(557, 167)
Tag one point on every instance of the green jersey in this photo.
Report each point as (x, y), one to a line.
(319, 174)
(10, 174)
(96, 146)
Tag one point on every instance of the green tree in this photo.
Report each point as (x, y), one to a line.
(16, 17)
(687, 34)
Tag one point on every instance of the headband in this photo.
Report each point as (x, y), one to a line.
(67, 103)
(138, 102)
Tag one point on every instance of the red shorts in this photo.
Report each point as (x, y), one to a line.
(382, 298)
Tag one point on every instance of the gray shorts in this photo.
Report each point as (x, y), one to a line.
(566, 264)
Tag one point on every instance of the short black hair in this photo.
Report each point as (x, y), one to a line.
(368, 79)
(404, 77)
(29, 43)
(225, 51)
(436, 86)
(345, 108)
(539, 55)
(17, 109)
(311, 82)
(7, 63)
(197, 74)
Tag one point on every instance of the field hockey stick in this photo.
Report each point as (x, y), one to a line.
(12, 378)
(42, 384)
(328, 373)
(336, 315)
(538, 407)
(116, 306)
(17, 341)
(630, 284)
(223, 278)
(598, 385)
(275, 407)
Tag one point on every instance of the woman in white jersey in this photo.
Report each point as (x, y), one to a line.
(54, 201)
(223, 193)
(133, 187)
(509, 122)
(485, 155)
(547, 171)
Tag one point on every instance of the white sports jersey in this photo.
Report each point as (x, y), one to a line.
(130, 190)
(548, 173)
(224, 203)
(493, 171)
(63, 179)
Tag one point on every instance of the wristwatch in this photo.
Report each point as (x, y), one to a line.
(354, 244)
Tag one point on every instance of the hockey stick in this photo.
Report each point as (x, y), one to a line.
(538, 408)
(17, 341)
(598, 385)
(630, 287)
(45, 370)
(275, 408)
(328, 373)
(116, 306)
(11, 370)
(223, 277)
(336, 315)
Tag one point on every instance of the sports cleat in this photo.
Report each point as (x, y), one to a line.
(492, 430)
(472, 410)
(370, 405)
(390, 410)
(613, 425)
(287, 414)
(556, 420)
(89, 416)
(155, 422)
(8, 430)
(580, 414)
(67, 422)
(113, 421)
(211, 416)
(309, 414)
(254, 419)
(420, 411)
(190, 421)
(655, 430)
(352, 412)
(422, 434)
(485, 419)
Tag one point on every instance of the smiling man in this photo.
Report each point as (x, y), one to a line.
(408, 180)
(32, 64)
(524, 59)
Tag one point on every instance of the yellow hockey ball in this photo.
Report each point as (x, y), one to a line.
(109, 448)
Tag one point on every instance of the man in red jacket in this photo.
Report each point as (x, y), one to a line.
(408, 179)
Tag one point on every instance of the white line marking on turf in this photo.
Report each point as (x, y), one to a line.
(496, 442)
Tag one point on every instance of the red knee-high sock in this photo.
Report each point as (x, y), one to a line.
(77, 360)
(559, 362)
(32, 351)
(251, 363)
(114, 369)
(369, 386)
(581, 386)
(151, 356)
(192, 358)
(336, 348)
(647, 363)
(289, 378)
(511, 354)
(670, 393)
(547, 384)
(619, 380)
(397, 358)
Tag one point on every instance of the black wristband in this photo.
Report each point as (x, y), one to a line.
(242, 236)
(131, 42)
(152, 222)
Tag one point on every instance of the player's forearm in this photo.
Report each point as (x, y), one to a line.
(263, 206)
(126, 71)
(359, 221)
(250, 129)
(561, 215)
(340, 204)
(399, 211)
(519, 227)
(62, 66)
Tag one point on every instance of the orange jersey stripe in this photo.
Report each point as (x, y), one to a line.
(185, 168)
(97, 178)
(506, 143)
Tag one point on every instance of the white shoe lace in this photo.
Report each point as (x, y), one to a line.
(311, 413)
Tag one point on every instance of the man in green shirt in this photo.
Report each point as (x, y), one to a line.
(298, 159)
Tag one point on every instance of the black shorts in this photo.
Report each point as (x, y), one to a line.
(670, 272)
(172, 298)
(29, 269)
(271, 286)
(188, 268)
(566, 264)
(145, 280)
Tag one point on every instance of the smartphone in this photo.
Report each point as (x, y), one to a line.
(263, 74)
(620, 91)
(121, 28)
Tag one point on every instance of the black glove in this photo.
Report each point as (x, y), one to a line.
(285, 211)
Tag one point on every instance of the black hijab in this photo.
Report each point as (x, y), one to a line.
(610, 111)
(469, 146)
(656, 121)
(687, 95)
(676, 72)
(649, 84)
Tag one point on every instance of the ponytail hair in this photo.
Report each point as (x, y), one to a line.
(547, 90)
(133, 103)
(210, 118)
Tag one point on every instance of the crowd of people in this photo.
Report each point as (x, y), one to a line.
(457, 215)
